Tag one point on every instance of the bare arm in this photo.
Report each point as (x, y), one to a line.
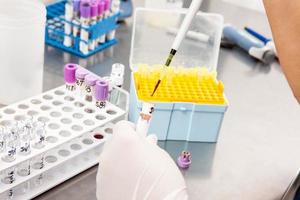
(284, 17)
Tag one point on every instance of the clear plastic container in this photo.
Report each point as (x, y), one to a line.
(153, 35)
(22, 32)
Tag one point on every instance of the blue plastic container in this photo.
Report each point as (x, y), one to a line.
(55, 32)
(150, 45)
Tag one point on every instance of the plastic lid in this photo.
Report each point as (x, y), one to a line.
(101, 6)
(101, 90)
(85, 9)
(69, 72)
(107, 5)
(81, 73)
(117, 73)
(94, 8)
(76, 5)
(90, 80)
(155, 24)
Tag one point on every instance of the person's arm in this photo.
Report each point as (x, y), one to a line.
(284, 18)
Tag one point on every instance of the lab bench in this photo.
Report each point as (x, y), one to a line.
(256, 155)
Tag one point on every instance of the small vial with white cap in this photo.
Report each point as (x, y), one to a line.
(85, 17)
(69, 76)
(101, 93)
(90, 82)
(144, 120)
(94, 15)
(117, 79)
(80, 76)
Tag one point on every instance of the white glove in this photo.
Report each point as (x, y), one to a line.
(133, 167)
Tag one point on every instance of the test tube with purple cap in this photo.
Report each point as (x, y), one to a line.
(80, 76)
(69, 76)
(101, 16)
(101, 93)
(90, 82)
(76, 15)
(85, 19)
(94, 15)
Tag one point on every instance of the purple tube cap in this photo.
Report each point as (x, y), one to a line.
(81, 73)
(94, 8)
(107, 5)
(85, 9)
(69, 73)
(101, 6)
(101, 90)
(90, 80)
(184, 160)
(76, 5)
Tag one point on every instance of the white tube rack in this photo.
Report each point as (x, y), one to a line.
(70, 124)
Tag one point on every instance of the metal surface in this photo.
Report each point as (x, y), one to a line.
(258, 149)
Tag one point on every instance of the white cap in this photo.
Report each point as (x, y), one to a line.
(147, 108)
(117, 73)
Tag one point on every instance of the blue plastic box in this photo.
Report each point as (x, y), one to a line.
(55, 35)
(150, 45)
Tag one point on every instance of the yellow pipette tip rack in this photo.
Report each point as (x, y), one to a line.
(178, 84)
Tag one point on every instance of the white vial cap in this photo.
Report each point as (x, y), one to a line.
(117, 73)
(147, 108)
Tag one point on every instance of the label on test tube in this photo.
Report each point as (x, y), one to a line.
(144, 120)
(69, 76)
(80, 76)
(101, 93)
(90, 81)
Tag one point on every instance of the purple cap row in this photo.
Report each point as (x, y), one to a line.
(91, 8)
(73, 72)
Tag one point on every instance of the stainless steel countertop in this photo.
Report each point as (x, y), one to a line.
(256, 155)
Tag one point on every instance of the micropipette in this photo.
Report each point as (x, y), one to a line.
(194, 7)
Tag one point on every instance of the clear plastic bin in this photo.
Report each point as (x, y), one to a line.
(153, 35)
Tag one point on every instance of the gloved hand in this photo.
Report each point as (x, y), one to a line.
(133, 167)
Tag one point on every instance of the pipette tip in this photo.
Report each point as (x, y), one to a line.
(155, 88)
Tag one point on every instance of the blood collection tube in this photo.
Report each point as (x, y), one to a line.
(85, 19)
(69, 76)
(144, 120)
(69, 10)
(115, 8)
(76, 8)
(101, 93)
(67, 24)
(101, 16)
(101, 5)
(80, 76)
(90, 81)
(94, 15)
(106, 8)
(76, 14)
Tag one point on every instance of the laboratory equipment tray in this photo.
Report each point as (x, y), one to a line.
(69, 121)
(54, 34)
